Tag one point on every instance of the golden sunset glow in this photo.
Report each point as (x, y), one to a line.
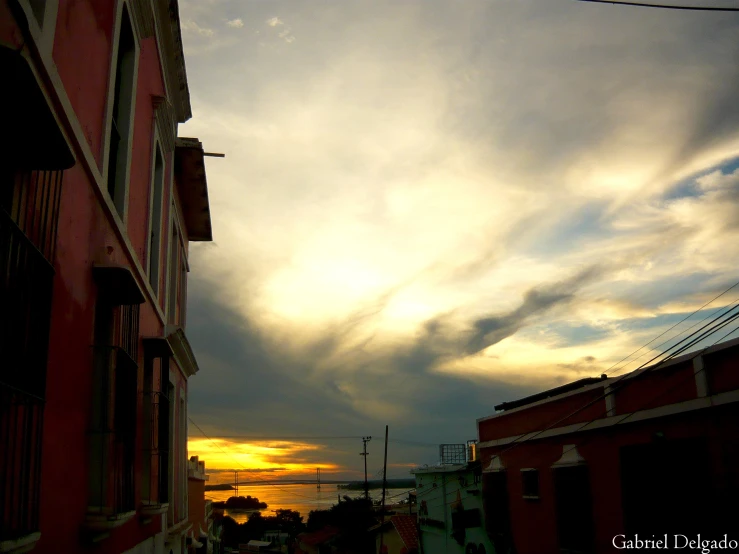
(261, 460)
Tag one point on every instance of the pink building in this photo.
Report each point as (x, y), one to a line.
(99, 201)
(587, 466)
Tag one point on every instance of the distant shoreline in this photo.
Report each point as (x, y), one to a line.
(344, 485)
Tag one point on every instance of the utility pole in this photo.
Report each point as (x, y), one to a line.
(365, 440)
(384, 486)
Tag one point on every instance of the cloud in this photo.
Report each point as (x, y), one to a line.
(491, 330)
(424, 212)
(190, 26)
(235, 23)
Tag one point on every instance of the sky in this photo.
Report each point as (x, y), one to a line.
(430, 207)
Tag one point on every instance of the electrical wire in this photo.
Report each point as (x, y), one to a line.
(707, 330)
(641, 408)
(664, 6)
(631, 376)
(671, 328)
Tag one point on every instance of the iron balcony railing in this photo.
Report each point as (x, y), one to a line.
(27, 237)
(157, 448)
(31, 199)
(21, 418)
(113, 436)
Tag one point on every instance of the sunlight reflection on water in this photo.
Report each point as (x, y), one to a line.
(301, 498)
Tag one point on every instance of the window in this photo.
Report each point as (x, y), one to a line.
(163, 436)
(155, 221)
(496, 508)
(182, 455)
(530, 478)
(466, 519)
(174, 264)
(177, 281)
(29, 207)
(575, 529)
(155, 443)
(113, 435)
(121, 121)
(172, 452)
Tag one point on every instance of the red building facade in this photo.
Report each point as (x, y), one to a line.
(99, 200)
(585, 467)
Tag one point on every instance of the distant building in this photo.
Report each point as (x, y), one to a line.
(279, 539)
(657, 452)
(398, 535)
(200, 538)
(99, 202)
(450, 509)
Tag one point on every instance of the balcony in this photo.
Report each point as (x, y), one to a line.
(113, 440)
(21, 417)
(26, 280)
(157, 452)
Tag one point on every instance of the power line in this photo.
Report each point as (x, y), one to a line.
(712, 314)
(648, 403)
(671, 328)
(635, 374)
(664, 6)
(642, 407)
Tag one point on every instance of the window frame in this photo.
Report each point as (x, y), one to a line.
(525, 484)
(120, 211)
(176, 284)
(42, 31)
(154, 216)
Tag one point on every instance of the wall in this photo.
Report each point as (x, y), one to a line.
(196, 503)
(601, 450)
(391, 540)
(440, 501)
(80, 66)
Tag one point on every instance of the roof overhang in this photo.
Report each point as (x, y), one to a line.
(117, 284)
(182, 351)
(182, 105)
(193, 188)
(157, 347)
(31, 136)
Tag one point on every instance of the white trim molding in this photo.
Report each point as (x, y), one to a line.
(183, 353)
(570, 457)
(164, 117)
(130, 98)
(495, 465)
(613, 380)
(633, 417)
(701, 379)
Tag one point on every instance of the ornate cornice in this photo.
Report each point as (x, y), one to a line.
(166, 122)
(167, 20)
(142, 16)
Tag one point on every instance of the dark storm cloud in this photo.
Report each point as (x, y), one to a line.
(255, 386)
(488, 331)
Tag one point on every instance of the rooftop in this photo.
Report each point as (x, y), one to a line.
(550, 393)
(406, 527)
(193, 188)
